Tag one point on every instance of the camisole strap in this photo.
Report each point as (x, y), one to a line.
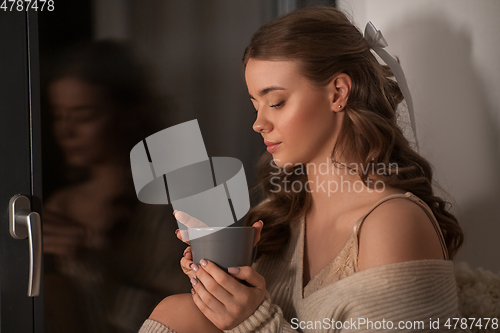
(421, 203)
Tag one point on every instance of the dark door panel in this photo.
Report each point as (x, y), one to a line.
(18, 110)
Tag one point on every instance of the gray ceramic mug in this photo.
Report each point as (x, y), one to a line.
(224, 246)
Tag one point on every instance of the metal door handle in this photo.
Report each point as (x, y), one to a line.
(25, 223)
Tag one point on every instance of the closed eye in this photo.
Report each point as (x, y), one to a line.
(255, 105)
(277, 106)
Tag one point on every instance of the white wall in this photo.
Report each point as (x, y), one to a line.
(450, 52)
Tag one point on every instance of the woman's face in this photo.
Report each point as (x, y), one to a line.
(296, 118)
(82, 121)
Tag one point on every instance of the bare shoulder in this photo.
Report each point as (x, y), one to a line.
(180, 314)
(398, 230)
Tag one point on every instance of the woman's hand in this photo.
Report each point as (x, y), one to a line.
(222, 299)
(62, 236)
(186, 262)
(188, 221)
(191, 222)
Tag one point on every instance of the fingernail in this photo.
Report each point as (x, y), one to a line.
(186, 253)
(203, 262)
(194, 267)
(194, 281)
(192, 291)
(176, 231)
(233, 270)
(174, 212)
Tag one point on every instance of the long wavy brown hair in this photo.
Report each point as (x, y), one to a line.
(325, 43)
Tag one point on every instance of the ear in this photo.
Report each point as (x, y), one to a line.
(339, 88)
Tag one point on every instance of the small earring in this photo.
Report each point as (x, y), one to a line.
(340, 106)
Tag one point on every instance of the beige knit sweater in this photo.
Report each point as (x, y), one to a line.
(413, 293)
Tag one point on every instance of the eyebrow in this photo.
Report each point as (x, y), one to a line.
(267, 90)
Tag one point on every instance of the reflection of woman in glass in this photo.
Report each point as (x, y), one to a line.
(108, 254)
(358, 231)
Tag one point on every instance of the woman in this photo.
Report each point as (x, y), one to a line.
(352, 229)
(108, 254)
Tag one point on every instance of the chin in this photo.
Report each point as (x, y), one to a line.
(285, 162)
(277, 161)
(77, 160)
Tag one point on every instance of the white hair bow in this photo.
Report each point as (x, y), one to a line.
(377, 43)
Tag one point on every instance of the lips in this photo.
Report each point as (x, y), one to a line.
(72, 150)
(271, 146)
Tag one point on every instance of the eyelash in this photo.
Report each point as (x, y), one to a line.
(276, 106)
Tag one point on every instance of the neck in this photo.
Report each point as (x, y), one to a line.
(335, 189)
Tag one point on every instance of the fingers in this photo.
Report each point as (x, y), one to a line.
(60, 246)
(187, 253)
(209, 301)
(55, 216)
(186, 262)
(184, 236)
(248, 274)
(258, 226)
(68, 231)
(179, 233)
(188, 220)
(61, 238)
(212, 294)
(200, 302)
(186, 267)
(213, 281)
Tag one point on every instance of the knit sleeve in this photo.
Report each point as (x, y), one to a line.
(153, 326)
(267, 318)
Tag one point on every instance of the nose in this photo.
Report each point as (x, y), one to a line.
(64, 128)
(262, 124)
